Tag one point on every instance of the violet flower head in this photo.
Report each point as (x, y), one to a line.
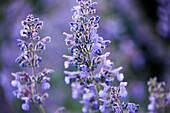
(25, 83)
(87, 53)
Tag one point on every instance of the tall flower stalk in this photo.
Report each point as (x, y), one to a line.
(94, 76)
(27, 84)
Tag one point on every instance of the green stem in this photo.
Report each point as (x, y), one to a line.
(40, 107)
(33, 69)
(95, 86)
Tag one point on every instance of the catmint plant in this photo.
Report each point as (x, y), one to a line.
(93, 79)
(159, 99)
(27, 84)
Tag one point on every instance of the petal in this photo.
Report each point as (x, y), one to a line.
(45, 86)
(67, 80)
(66, 64)
(120, 77)
(25, 107)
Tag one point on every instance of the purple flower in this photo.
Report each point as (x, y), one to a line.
(123, 92)
(130, 107)
(94, 70)
(120, 76)
(102, 93)
(86, 99)
(47, 71)
(76, 16)
(85, 107)
(103, 57)
(45, 84)
(104, 106)
(27, 85)
(117, 109)
(71, 75)
(23, 33)
(68, 36)
(83, 72)
(94, 36)
(151, 106)
(14, 83)
(25, 106)
(69, 59)
(76, 89)
(96, 46)
(108, 63)
(46, 39)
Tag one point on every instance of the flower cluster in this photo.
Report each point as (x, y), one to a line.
(87, 48)
(158, 98)
(27, 84)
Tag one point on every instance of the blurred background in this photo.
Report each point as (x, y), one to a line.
(140, 35)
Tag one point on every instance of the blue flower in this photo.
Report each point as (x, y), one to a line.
(76, 89)
(151, 106)
(108, 63)
(45, 86)
(120, 76)
(77, 10)
(25, 106)
(86, 99)
(102, 93)
(103, 107)
(123, 92)
(71, 75)
(69, 59)
(117, 109)
(14, 83)
(130, 107)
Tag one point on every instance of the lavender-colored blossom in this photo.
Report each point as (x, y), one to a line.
(76, 89)
(130, 107)
(123, 92)
(87, 49)
(102, 93)
(25, 107)
(83, 72)
(86, 99)
(71, 75)
(66, 63)
(117, 109)
(103, 107)
(25, 83)
(45, 86)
